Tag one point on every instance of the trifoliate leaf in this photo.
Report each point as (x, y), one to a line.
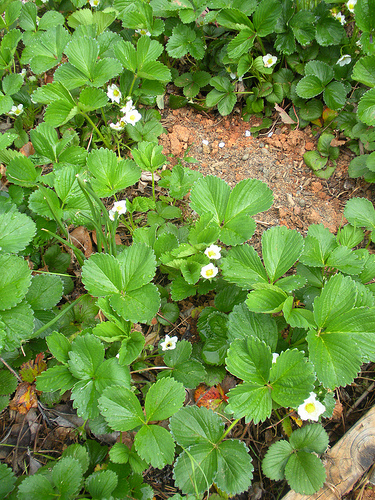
(155, 445)
(338, 296)
(234, 467)
(193, 425)
(163, 399)
(291, 378)
(101, 275)
(252, 401)
(7, 480)
(305, 473)
(45, 291)
(243, 267)
(336, 358)
(244, 323)
(275, 460)
(311, 438)
(67, 476)
(12, 238)
(101, 484)
(121, 408)
(195, 468)
(281, 248)
(250, 360)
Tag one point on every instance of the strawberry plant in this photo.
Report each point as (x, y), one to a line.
(289, 325)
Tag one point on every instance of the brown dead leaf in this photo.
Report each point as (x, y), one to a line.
(48, 78)
(336, 142)
(24, 399)
(80, 238)
(27, 149)
(285, 118)
(337, 411)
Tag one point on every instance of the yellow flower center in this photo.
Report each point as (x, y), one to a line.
(132, 117)
(209, 272)
(211, 253)
(310, 408)
(116, 92)
(168, 344)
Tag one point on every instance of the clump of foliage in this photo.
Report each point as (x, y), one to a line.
(291, 325)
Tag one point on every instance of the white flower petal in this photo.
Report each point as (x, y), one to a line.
(213, 252)
(133, 116)
(311, 409)
(169, 343)
(345, 59)
(209, 271)
(269, 60)
(114, 93)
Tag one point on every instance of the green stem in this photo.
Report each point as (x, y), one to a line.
(261, 45)
(235, 422)
(131, 223)
(97, 222)
(153, 186)
(104, 118)
(132, 85)
(77, 252)
(108, 222)
(57, 219)
(107, 145)
(57, 317)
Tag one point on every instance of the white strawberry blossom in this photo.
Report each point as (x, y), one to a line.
(351, 4)
(209, 271)
(16, 110)
(169, 343)
(133, 116)
(143, 32)
(269, 60)
(94, 3)
(340, 17)
(213, 252)
(345, 59)
(114, 93)
(119, 207)
(128, 106)
(118, 126)
(311, 409)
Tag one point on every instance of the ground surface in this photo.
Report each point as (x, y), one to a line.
(301, 198)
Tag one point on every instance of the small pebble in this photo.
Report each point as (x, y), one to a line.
(247, 133)
(301, 202)
(261, 144)
(205, 142)
(221, 144)
(245, 157)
